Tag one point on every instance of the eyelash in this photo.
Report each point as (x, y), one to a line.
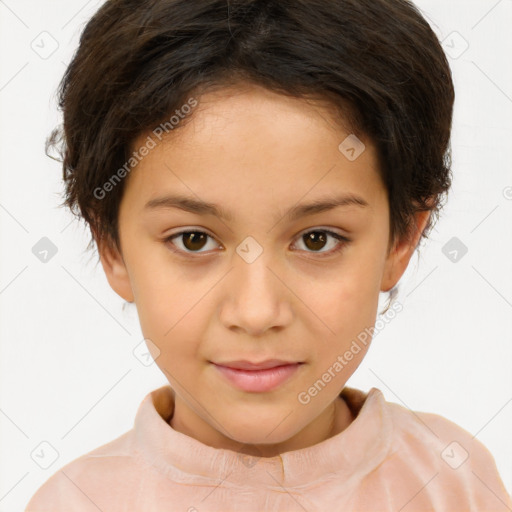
(344, 241)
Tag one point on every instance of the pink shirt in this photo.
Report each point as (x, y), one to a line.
(388, 459)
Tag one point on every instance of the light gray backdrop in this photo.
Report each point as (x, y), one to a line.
(70, 380)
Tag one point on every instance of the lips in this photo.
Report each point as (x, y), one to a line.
(248, 365)
(257, 377)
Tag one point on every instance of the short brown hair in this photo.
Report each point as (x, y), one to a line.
(377, 62)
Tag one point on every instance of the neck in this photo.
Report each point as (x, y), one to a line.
(333, 420)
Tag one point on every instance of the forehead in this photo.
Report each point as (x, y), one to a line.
(248, 141)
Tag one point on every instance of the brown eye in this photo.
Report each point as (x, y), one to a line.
(315, 240)
(194, 240)
(191, 241)
(318, 239)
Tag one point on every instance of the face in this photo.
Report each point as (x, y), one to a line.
(228, 259)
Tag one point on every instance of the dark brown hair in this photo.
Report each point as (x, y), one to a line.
(377, 62)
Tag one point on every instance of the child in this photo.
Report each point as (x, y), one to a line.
(254, 174)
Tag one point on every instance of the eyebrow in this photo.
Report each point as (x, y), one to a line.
(192, 205)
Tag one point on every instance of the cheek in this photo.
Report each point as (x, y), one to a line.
(160, 295)
(347, 302)
(172, 313)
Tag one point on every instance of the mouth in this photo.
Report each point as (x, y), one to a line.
(243, 364)
(257, 377)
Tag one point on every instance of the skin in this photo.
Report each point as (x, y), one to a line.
(256, 154)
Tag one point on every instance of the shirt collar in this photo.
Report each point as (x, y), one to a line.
(347, 456)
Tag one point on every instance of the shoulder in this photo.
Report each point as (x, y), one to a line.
(86, 483)
(435, 435)
(458, 465)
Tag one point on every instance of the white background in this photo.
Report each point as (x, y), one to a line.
(68, 373)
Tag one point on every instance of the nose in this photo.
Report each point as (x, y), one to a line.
(257, 299)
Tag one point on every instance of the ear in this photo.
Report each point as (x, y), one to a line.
(402, 251)
(115, 270)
